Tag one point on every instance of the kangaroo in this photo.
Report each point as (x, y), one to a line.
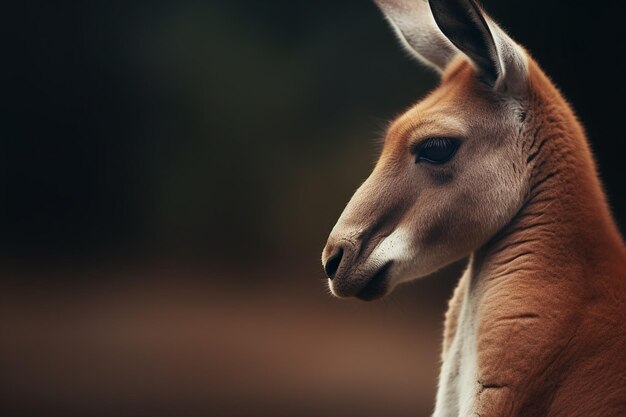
(493, 165)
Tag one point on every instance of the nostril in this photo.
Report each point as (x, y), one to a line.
(332, 265)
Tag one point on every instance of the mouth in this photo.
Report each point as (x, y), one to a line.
(376, 287)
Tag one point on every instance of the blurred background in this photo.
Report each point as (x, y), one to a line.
(169, 173)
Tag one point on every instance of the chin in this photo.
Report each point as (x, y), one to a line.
(377, 286)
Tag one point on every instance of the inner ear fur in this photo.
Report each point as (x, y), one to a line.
(499, 61)
(464, 24)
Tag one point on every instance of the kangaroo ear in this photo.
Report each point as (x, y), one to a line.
(414, 24)
(500, 62)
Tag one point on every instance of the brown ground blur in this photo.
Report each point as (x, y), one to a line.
(173, 341)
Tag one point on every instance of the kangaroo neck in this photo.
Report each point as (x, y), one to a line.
(565, 219)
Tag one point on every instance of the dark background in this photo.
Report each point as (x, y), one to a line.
(177, 166)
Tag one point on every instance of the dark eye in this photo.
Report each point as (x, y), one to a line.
(436, 150)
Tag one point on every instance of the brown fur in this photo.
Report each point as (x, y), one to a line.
(537, 323)
(550, 288)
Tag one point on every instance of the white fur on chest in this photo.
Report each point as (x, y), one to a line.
(458, 379)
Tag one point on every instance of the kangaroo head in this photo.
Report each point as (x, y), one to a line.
(452, 171)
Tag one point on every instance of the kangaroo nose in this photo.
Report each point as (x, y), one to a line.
(332, 265)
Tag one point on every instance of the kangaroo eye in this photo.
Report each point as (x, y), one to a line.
(436, 150)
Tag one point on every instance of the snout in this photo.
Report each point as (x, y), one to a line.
(362, 257)
(351, 273)
(338, 258)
